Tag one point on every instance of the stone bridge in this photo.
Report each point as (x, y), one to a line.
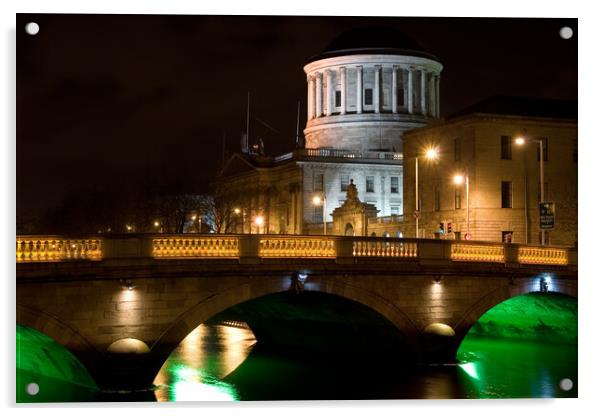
(122, 303)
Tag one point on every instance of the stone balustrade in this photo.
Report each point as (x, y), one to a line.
(176, 247)
(296, 246)
(247, 246)
(478, 252)
(384, 247)
(49, 249)
(543, 255)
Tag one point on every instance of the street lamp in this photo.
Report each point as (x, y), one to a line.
(317, 201)
(520, 140)
(258, 220)
(431, 153)
(458, 180)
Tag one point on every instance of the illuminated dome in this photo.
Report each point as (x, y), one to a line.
(368, 87)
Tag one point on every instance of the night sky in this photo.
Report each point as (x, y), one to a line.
(107, 100)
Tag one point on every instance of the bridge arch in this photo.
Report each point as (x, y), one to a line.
(63, 334)
(501, 294)
(219, 302)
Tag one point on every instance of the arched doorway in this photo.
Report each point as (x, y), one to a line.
(349, 230)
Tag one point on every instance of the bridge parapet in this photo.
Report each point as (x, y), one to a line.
(253, 248)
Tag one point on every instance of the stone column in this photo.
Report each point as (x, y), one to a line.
(328, 105)
(394, 90)
(410, 91)
(432, 96)
(311, 97)
(360, 89)
(437, 104)
(343, 90)
(423, 92)
(377, 89)
(319, 95)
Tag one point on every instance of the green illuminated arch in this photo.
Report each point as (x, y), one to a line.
(57, 373)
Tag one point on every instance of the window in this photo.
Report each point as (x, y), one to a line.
(506, 148)
(506, 194)
(394, 185)
(318, 181)
(458, 199)
(394, 209)
(545, 148)
(344, 182)
(369, 183)
(436, 199)
(318, 211)
(457, 150)
(337, 98)
(368, 96)
(400, 97)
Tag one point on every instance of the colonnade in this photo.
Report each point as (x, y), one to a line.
(420, 91)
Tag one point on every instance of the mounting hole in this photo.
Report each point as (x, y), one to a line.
(32, 389)
(32, 28)
(566, 384)
(566, 32)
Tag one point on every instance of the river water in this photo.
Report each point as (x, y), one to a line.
(223, 362)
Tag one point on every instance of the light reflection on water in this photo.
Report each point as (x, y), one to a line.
(196, 367)
(206, 366)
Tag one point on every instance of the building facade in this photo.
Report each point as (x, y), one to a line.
(364, 91)
(502, 203)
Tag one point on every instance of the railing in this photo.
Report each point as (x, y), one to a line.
(542, 255)
(49, 249)
(296, 247)
(384, 248)
(478, 252)
(349, 154)
(174, 247)
(253, 248)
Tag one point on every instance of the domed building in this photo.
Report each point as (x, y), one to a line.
(367, 88)
(364, 91)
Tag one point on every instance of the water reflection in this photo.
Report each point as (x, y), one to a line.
(195, 369)
(222, 362)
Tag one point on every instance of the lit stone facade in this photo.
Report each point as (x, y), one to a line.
(482, 146)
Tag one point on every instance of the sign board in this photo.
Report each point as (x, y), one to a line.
(546, 215)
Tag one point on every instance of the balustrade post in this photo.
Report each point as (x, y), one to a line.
(434, 252)
(511, 255)
(127, 247)
(344, 250)
(249, 249)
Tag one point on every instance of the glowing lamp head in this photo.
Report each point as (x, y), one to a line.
(237, 211)
(128, 227)
(258, 220)
(193, 217)
(432, 153)
(520, 141)
(317, 200)
(156, 223)
(458, 179)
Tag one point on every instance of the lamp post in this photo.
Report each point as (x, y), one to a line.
(521, 141)
(458, 179)
(432, 153)
(317, 201)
